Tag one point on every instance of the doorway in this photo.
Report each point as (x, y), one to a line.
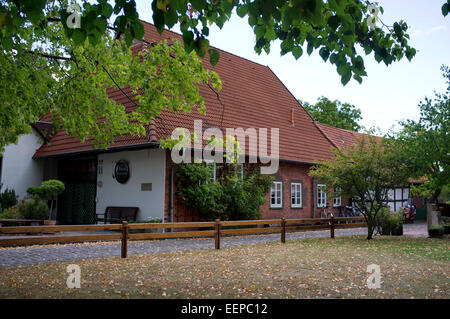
(77, 204)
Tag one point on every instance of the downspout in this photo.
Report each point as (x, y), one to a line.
(314, 197)
(171, 196)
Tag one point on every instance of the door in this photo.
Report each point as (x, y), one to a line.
(77, 204)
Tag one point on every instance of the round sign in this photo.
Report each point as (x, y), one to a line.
(122, 171)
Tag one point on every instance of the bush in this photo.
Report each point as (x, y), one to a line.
(436, 231)
(48, 189)
(230, 197)
(11, 213)
(33, 207)
(8, 199)
(390, 223)
(447, 229)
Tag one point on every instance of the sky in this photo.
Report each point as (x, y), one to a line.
(388, 94)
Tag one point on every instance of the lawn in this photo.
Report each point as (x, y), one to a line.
(306, 268)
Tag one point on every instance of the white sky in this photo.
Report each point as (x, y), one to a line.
(387, 94)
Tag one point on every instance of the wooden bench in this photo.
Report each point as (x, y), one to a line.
(117, 214)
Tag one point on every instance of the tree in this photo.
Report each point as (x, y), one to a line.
(43, 71)
(333, 27)
(427, 143)
(50, 62)
(365, 172)
(334, 113)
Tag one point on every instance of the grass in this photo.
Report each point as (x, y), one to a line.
(306, 268)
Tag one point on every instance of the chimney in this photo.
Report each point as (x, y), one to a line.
(292, 117)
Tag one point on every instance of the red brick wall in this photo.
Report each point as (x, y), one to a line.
(296, 172)
(288, 172)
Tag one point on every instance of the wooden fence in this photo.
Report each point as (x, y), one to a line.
(214, 229)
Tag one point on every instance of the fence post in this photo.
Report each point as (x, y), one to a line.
(124, 239)
(217, 233)
(283, 230)
(332, 226)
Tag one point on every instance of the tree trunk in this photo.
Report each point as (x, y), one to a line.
(434, 197)
(370, 228)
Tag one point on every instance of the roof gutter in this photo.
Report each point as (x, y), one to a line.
(100, 151)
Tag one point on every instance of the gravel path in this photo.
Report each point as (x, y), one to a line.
(39, 254)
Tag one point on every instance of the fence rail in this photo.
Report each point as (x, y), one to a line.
(215, 229)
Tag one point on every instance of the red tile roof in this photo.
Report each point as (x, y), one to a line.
(338, 136)
(253, 97)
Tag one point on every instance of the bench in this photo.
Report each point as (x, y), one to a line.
(117, 214)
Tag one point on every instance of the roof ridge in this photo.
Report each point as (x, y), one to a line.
(211, 46)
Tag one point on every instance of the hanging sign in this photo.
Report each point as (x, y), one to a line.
(122, 171)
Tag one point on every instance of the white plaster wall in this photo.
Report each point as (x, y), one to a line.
(19, 169)
(146, 166)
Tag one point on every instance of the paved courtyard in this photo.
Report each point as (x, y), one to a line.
(39, 254)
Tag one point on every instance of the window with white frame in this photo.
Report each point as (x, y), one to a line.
(321, 195)
(212, 166)
(296, 195)
(276, 191)
(239, 170)
(337, 201)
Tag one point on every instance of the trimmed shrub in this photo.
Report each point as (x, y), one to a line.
(436, 231)
(48, 190)
(33, 207)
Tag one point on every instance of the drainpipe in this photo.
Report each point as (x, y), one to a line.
(171, 195)
(314, 197)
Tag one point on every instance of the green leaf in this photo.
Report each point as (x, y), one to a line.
(138, 29)
(78, 37)
(297, 52)
(213, 56)
(241, 10)
(310, 48)
(107, 10)
(158, 17)
(324, 53)
(346, 77)
(7, 43)
(333, 22)
(445, 9)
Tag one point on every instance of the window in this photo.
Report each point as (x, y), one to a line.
(239, 170)
(321, 195)
(296, 195)
(276, 191)
(337, 201)
(213, 167)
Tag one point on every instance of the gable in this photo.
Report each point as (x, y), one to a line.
(252, 96)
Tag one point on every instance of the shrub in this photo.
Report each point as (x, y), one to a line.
(230, 197)
(390, 223)
(436, 230)
(11, 213)
(447, 229)
(48, 189)
(8, 199)
(383, 222)
(397, 223)
(33, 207)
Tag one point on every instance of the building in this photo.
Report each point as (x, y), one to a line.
(134, 171)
